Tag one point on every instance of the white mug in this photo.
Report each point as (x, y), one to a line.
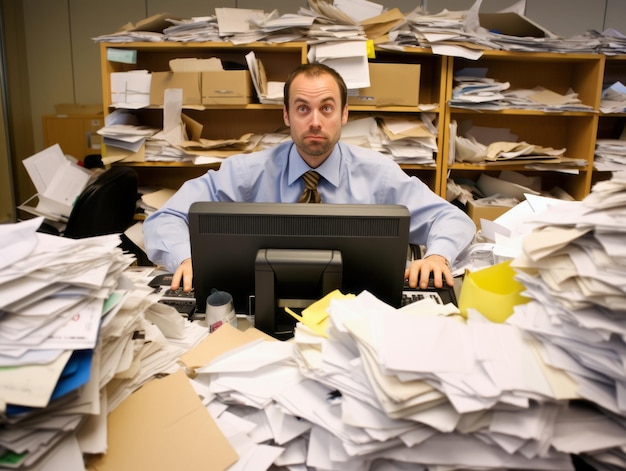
(220, 310)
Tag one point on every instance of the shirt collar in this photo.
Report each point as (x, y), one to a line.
(329, 169)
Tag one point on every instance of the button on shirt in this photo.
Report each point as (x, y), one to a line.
(350, 175)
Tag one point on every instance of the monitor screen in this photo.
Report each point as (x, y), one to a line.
(296, 253)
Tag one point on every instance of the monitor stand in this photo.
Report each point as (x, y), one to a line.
(291, 278)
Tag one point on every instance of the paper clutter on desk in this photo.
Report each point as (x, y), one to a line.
(492, 291)
(316, 316)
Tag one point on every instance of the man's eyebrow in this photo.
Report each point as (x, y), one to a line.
(300, 100)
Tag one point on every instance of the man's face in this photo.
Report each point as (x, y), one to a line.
(315, 116)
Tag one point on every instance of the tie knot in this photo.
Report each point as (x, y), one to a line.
(311, 179)
(310, 194)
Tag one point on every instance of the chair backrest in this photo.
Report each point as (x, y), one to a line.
(106, 205)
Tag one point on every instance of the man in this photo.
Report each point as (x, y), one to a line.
(315, 109)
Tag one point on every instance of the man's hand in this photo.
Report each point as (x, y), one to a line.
(183, 273)
(420, 270)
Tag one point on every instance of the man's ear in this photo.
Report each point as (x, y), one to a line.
(344, 115)
(285, 116)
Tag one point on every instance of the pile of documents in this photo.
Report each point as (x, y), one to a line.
(574, 269)
(195, 29)
(444, 32)
(482, 145)
(612, 42)
(613, 98)
(267, 91)
(464, 33)
(243, 25)
(610, 154)
(467, 149)
(366, 386)
(467, 33)
(54, 294)
(484, 93)
(381, 388)
(410, 140)
(58, 179)
(76, 338)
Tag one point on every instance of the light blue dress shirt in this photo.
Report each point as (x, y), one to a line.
(350, 174)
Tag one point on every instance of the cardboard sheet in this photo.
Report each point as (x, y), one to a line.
(223, 339)
(164, 426)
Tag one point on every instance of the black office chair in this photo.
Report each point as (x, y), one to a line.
(105, 206)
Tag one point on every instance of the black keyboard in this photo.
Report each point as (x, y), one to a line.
(443, 295)
(185, 303)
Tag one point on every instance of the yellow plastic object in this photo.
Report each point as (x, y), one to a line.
(492, 291)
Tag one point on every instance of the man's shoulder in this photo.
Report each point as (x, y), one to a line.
(364, 154)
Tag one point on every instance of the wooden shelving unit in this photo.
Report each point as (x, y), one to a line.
(575, 131)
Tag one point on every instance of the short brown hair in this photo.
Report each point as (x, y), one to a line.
(314, 70)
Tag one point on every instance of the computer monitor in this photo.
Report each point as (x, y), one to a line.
(272, 255)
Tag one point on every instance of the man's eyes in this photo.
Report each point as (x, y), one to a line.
(324, 109)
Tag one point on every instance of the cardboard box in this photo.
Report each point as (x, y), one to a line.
(77, 134)
(489, 212)
(390, 85)
(189, 82)
(226, 87)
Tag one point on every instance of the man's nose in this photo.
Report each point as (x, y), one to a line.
(315, 119)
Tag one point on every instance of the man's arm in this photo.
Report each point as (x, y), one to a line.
(166, 238)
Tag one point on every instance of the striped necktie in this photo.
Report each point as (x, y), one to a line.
(310, 194)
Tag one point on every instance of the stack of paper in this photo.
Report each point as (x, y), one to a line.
(613, 98)
(55, 293)
(58, 181)
(195, 29)
(243, 26)
(469, 149)
(268, 92)
(148, 29)
(129, 37)
(443, 32)
(77, 337)
(484, 93)
(610, 155)
(574, 268)
(418, 388)
(282, 28)
(128, 137)
(612, 41)
(348, 58)
(410, 140)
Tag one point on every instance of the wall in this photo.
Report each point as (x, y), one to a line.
(63, 64)
(7, 204)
